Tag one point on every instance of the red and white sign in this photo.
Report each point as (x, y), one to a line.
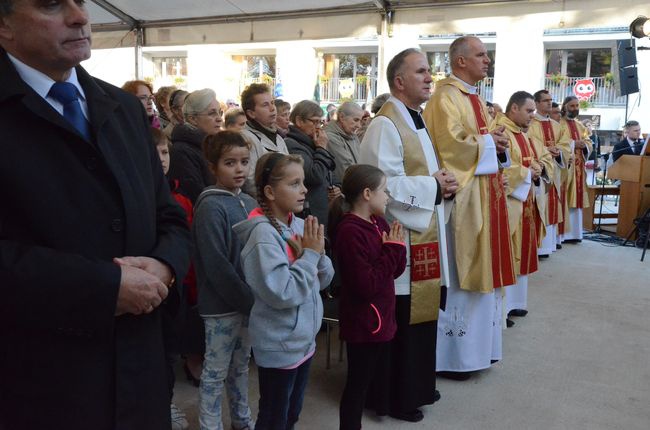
(584, 89)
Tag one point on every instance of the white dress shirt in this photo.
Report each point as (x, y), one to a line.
(41, 84)
(633, 144)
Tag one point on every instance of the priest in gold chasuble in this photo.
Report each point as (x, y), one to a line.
(478, 235)
(581, 147)
(545, 134)
(525, 177)
(397, 142)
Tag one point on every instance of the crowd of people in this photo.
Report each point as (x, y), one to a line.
(424, 223)
(473, 195)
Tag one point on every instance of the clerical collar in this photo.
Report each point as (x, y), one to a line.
(417, 118)
(404, 111)
(542, 117)
(470, 88)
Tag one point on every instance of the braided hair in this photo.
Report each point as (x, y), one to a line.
(269, 171)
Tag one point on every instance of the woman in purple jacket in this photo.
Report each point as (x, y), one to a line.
(370, 255)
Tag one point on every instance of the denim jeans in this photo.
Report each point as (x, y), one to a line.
(281, 394)
(227, 352)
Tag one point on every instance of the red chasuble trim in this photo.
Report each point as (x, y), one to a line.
(579, 164)
(481, 121)
(503, 273)
(553, 198)
(561, 226)
(530, 217)
(549, 136)
(553, 206)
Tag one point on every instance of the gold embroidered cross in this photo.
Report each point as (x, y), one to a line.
(425, 263)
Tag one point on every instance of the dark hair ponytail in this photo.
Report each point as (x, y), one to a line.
(355, 180)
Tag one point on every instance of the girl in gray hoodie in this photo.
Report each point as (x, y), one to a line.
(285, 264)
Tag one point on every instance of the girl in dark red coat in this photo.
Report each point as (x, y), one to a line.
(370, 254)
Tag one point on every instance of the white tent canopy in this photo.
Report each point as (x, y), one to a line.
(159, 12)
(174, 22)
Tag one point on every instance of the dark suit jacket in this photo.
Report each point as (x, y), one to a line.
(623, 148)
(68, 207)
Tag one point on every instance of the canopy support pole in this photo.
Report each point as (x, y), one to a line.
(139, 43)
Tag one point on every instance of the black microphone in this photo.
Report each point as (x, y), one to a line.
(619, 150)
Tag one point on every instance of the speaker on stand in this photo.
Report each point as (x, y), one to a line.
(627, 78)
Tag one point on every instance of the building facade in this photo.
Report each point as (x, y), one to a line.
(567, 47)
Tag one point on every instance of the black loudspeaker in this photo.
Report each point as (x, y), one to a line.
(626, 50)
(629, 80)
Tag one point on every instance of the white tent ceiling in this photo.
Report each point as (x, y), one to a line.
(110, 14)
(160, 10)
(186, 22)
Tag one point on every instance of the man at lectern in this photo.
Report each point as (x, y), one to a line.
(632, 144)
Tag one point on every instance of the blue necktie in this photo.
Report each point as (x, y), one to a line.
(66, 94)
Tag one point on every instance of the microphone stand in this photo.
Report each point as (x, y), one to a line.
(602, 189)
(598, 154)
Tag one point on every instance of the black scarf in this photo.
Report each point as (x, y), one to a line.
(264, 130)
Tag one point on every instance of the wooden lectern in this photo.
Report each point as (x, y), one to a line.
(634, 173)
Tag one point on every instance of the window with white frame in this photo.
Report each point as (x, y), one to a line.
(595, 62)
(350, 65)
(167, 69)
(440, 67)
(257, 66)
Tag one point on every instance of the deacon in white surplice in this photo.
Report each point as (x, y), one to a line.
(398, 143)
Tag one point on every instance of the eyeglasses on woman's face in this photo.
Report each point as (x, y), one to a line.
(213, 113)
(318, 122)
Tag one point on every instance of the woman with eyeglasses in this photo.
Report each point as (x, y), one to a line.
(144, 91)
(203, 117)
(307, 139)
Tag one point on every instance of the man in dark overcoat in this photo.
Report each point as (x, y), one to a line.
(90, 239)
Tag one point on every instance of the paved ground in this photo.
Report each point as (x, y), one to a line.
(579, 360)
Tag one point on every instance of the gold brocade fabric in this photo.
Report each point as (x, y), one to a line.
(452, 124)
(516, 174)
(577, 178)
(553, 170)
(564, 143)
(522, 215)
(424, 247)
